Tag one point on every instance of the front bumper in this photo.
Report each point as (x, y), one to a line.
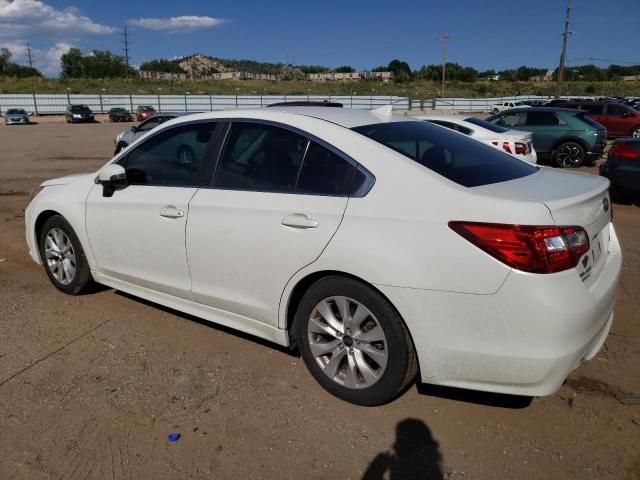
(16, 121)
(525, 339)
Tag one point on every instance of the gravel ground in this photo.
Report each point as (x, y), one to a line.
(91, 386)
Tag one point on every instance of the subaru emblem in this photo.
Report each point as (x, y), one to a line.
(605, 204)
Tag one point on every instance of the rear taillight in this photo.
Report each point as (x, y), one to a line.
(521, 148)
(624, 150)
(536, 249)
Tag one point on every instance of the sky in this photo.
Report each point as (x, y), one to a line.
(484, 34)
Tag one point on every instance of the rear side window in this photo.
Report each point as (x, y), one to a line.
(457, 158)
(616, 110)
(509, 119)
(484, 124)
(589, 121)
(260, 158)
(541, 119)
(325, 173)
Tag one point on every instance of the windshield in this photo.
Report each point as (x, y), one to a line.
(79, 108)
(145, 109)
(454, 156)
(489, 126)
(16, 111)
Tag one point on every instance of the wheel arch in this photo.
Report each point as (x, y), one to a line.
(303, 284)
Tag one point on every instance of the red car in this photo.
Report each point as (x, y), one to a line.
(620, 120)
(144, 111)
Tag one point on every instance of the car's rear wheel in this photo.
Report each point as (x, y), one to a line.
(635, 131)
(569, 155)
(63, 257)
(354, 342)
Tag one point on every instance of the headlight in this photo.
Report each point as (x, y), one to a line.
(76, 115)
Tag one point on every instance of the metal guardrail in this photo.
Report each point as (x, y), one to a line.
(46, 104)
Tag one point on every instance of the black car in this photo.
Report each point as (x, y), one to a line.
(622, 167)
(78, 113)
(118, 114)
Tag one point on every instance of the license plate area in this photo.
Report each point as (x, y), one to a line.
(591, 263)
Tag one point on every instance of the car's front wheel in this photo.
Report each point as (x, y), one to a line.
(569, 155)
(635, 131)
(63, 257)
(354, 342)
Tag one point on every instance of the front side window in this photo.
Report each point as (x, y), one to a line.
(592, 109)
(260, 158)
(176, 157)
(541, 119)
(456, 157)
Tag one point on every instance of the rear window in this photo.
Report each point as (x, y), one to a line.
(489, 126)
(458, 158)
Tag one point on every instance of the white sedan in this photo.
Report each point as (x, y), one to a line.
(376, 245)
(515, 142)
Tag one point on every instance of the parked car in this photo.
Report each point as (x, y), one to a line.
(117, 114)
(500, 107)
(16, 116)
(535, 103)
(566, 137)
(372, 243)
(514, 142)
(144, 111)
(78, 113)
(619, 119)
(622, 167)
(128, 136)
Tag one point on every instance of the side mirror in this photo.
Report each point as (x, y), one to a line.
(112, 177)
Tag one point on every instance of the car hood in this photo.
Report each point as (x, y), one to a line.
(65, 180)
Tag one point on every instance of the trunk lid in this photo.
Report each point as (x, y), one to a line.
(573, 199)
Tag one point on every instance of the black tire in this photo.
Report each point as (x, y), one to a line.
(635, 131)
(82, 276)
(401, 364)
(569, 155)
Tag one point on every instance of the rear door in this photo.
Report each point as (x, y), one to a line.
(617, 123)
(276, 200)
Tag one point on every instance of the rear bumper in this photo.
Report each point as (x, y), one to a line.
(525, 339)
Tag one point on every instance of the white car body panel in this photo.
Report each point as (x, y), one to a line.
(475, 322)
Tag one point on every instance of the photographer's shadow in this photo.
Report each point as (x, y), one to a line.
(415, 455)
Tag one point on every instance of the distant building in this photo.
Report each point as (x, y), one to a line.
(349, 76)
(150, 75)
(257, 76)
(631, 78)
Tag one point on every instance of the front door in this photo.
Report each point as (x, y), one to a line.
(138, 234)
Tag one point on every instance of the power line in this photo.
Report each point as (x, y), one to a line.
(445, 39)
(29, 56)
(563, 55)
(125, 43)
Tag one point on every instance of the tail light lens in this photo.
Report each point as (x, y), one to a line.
(624, 150)
(521, 148)
(536, 249)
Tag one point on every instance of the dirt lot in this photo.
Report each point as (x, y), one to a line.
(90, 386)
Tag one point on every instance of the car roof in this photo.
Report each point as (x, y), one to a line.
(345, 117)
(544, 109)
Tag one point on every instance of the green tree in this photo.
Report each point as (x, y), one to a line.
(401, 70)
(345, 69)
(97, 64)
(5, 57)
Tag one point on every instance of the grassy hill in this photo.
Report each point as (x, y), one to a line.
(415, 89)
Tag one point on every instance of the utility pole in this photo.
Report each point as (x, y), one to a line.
(563, 55)
(29, 56)
(445, 39)
(125, 43)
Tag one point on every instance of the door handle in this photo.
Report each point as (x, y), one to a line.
(299, 220)
(171, 212)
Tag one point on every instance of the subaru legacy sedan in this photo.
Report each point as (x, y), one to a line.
(377, 246)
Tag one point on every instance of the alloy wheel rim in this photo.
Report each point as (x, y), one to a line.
(636, 133)
(570, 156)
(347, 342)
(60, 256)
